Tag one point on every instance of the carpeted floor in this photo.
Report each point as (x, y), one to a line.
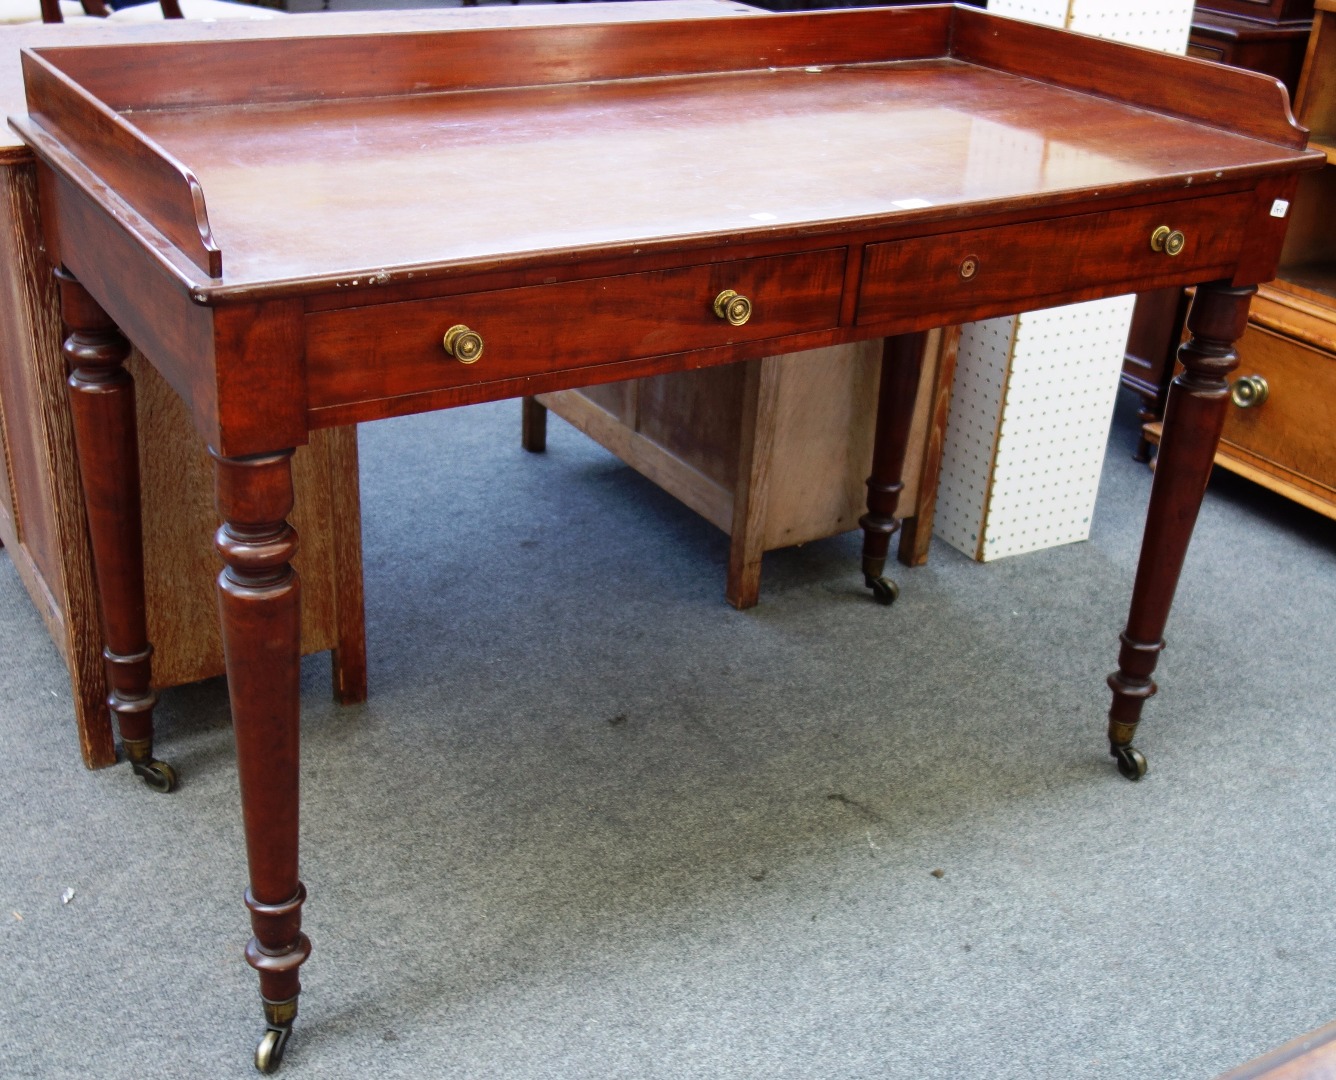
(595, 823)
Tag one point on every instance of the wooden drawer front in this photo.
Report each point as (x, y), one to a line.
(359, 354)
(1292, 428)
(1047, 259)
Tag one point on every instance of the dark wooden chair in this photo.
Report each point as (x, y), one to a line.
(51, 13)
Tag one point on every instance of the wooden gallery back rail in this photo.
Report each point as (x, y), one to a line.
(366, 244)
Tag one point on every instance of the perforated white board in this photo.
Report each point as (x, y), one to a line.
(1033, 394)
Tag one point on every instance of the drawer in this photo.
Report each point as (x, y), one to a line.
(981, 272)
(368, 353)
(1292, 428)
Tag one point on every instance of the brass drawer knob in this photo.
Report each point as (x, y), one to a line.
(463, 344)
(732, 308)
(1249, 391)
(1168, 240)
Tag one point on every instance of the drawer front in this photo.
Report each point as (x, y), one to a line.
(363, 354)
(983, 270)
(1292, 427)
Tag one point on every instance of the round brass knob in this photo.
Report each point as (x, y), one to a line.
(1168, 240)
(732, 308)
(463, 344)
(1249, 391)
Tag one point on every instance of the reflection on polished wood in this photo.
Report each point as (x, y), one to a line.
(855, 174)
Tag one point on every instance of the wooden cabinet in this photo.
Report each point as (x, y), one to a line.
(1268, 36)
(775, 452)
(42, 521)
(1272, 11)
(1279, 428)
(1272, 48)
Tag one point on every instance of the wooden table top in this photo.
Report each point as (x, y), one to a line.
(39, 35)
(350, 188)
(399, 156)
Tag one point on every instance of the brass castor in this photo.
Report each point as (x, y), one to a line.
(269, 1053)
(158, 775)
(884, 590)
(1131, 761)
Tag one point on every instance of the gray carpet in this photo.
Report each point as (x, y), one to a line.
(595, 823)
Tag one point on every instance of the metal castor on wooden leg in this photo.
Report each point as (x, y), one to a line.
(884, 590)
(278, 1018)
(1131, 761)
(269, 1054)
(157, 775)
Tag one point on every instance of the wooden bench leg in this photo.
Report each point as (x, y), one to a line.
(349, 656)
(742, 588)
(533, 425)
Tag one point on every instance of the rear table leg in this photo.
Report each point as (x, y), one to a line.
(102, 403)
(901, 362)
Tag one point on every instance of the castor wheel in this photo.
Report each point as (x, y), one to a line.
(1131, 761)
(269, 1053)
(158, 775)
(884, 590)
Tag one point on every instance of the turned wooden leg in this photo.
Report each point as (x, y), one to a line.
(1193, 417)
(259, 603)
(533, 425)
(102, 403)
(901, 362)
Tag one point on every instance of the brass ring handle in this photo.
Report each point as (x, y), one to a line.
(1249, 391)
(463, 344)
(732, 308)
(1168, 240)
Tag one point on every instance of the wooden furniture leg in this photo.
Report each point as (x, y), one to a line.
(1194, 415)
(259, 605)
(901, 362)
(916, 529)
(751, 495)
(102, 402)
(348, 662)
(533, 425)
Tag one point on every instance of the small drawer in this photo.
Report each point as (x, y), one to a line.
(369, 353)
(1290, 427)
(980, 272)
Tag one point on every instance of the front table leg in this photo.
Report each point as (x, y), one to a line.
(102, 405)
(901, 362)
(1193, 418)
(259, 604)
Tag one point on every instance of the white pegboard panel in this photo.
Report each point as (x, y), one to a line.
(1163, 25)
(971, 432)
(1033, 394)
(1025, 441)
(1157, 24)
(1045, 12)
(1055, 424)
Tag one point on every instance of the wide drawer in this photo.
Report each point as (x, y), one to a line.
(1292, 428)
(368, 353)
(984, 271)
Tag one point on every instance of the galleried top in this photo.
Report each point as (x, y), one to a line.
(411, 156)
